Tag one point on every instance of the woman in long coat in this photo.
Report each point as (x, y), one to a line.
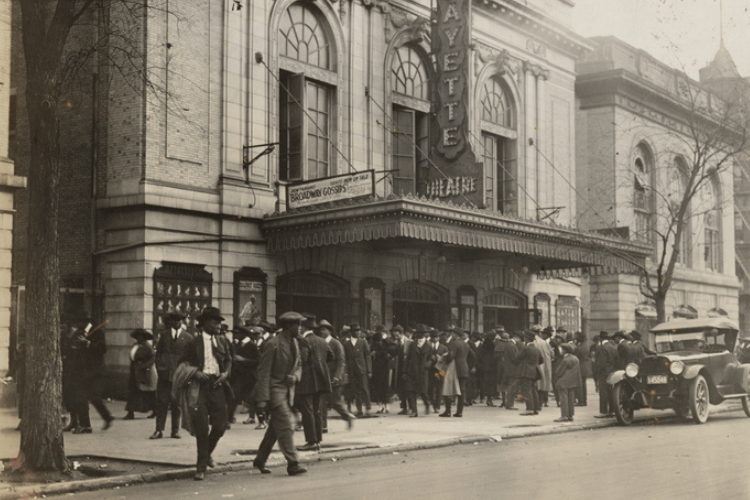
(142, 381)
(417, 370)
(381, 365)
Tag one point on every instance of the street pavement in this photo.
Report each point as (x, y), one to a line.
(128, 440)
(673, 460)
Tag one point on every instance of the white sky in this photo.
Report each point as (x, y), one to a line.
(681, 33)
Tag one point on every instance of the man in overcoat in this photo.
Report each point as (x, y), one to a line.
(315, 382)
(568, 379)
(606, 363)
(529, 360)
(169, 350)
(460, 352)
(279, 372)
(210, 353)
(417, 369)
(435, 384)
(337, 373)
(359, 368)
(583, 353)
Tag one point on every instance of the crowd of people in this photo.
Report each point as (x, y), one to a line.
(288, 376)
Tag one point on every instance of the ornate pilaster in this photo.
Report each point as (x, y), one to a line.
(397, 19)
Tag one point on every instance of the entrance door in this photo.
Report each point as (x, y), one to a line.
(415, 302)
(321, 295)
(506, 308)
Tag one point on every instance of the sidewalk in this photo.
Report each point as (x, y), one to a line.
(128, 440)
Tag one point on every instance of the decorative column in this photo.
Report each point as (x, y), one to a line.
(532, 179)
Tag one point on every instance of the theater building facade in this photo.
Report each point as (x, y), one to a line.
(373, 161)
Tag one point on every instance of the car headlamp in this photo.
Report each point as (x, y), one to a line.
(631, 370)
(677, 367)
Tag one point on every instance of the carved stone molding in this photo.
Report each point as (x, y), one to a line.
(382, 4)
(396, 20)
(501, 58)
(537, 48)
(537, 70)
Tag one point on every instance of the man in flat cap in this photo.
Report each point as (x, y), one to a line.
(211, 355)
(605, 363)
(279, 372)
(169, 349)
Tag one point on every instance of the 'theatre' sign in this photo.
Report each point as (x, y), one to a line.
(451, 41)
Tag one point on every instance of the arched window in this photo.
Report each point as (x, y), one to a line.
(643, 166)
(712, 227)
(410, 127)
(675, 196)
(306, 95)
(499, 151)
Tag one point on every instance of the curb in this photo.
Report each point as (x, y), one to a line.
(23, 492)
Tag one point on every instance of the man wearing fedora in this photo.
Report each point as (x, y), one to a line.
(460, 353)
(244, 366)
(417, 370)
(89, 346)
(337, 373)
(169, 349)
(604, 364)
(279, 372)
(315, 382)
(142, 378)
(211, 354)
(435, 385)
(359, 368)
(529, 360)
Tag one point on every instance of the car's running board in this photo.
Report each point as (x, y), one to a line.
(734, 396)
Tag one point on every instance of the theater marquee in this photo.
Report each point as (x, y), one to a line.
(340, 187)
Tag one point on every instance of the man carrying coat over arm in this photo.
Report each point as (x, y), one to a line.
(278, 373)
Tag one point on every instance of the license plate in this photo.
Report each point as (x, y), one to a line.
(656, 379)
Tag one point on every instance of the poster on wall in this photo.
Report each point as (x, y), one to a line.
(249, 297)
(340, 187)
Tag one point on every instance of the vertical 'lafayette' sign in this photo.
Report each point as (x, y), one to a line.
(461, 176)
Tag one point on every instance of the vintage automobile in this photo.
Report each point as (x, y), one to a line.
(695, 364)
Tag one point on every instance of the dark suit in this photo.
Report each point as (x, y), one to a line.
(168, 354)
(359, 368)
(568, 379)
(417, 370)
(583, 353)
(337, 372)
(244, 367)
(509, 384)
(626, 354)
(399, 354)
(279, 358)
(528, 360)
(435, 385)
(212, 401)
(315, 381)
(89, 378)
(460, 352)
(606, 363)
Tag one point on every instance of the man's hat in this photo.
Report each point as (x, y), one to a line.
(354, 326)
(636, 335)
(434, 333)
(242, 331)
(379, 328)
(628, 336)
(141, 334)
(290, 317)
(567, 347)
(580, 336)
(420, 328)
(266, 325)
(309, 321)
(397, 328)
(536, 328)
(519, 334)
(175, 315)
(476, 335)
(452, 328)
(505, 335)
(530, 335)
(603, 334)
(619, 334)
(499, 329)
(210, 313)
(325, 324)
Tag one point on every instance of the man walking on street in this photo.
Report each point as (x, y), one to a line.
(278, 373)
(315, 382)
(210, 354)
(337, 372)
(169, 350)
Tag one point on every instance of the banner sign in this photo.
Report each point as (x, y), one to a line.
(458, 176)
(340, 187)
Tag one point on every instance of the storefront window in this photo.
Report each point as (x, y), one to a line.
(568, 313)
(542, 305)
(372, 292)
(182, 288)
(467, 303)
(249, 296)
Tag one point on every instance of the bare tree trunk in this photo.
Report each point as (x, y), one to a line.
(42, 444)
(661, 307)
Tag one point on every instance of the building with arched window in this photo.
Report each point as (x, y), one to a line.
(370, 161)
(634, 164)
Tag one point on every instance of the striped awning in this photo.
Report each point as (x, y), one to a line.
(555, 249)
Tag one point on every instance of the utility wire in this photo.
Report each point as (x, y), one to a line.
(325, 136)
(416, 146)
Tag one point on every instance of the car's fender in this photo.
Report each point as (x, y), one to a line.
(615, 377)
(693, 371)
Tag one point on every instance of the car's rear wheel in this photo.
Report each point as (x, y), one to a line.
(699, 396)
(746, 405)
(621, 405)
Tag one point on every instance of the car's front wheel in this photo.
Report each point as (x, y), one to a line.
(699, 396)
(621, 405)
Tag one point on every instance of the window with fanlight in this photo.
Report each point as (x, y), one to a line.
(675, 195)
(307, 91)
(499, 151)
(410, 93)
(643, 211)
(712, 228)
